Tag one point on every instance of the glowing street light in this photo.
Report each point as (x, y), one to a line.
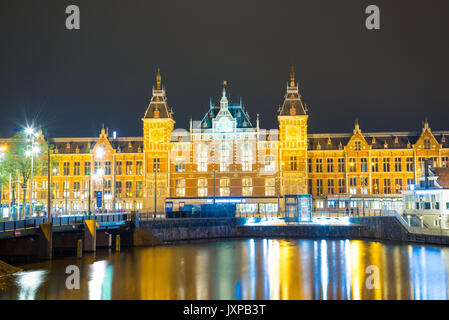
(100, 152)
(31, 150)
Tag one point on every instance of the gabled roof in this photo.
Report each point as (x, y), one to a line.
(236, 110)
(158, 107)
(292, 104)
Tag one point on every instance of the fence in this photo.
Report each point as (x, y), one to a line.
(60, 221)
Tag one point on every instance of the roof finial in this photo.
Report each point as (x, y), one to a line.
(158, 79)
(356, 126)
(426, 125)
(292, 77)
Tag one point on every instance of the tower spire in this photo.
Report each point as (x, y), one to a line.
(158, 79)
(292, 77)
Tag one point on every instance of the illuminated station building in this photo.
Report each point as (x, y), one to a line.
(227, 157)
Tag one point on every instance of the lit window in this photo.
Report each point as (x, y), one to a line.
(269, 163)
(202, 187)
(246, 157)
(224, 157)
(202, 158)
(247, 187)
(270, 187)
(225, 189)
(180, 185)
(180, 165)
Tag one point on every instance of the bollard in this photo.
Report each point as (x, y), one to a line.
(117, 243)
(79, 248)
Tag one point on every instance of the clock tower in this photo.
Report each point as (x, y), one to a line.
(292, 119)
(158, 125)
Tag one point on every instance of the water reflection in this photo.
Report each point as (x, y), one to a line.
(243, 269)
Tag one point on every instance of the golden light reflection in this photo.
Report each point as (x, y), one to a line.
(245, 269)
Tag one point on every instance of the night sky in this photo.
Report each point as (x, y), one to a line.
(72, 81)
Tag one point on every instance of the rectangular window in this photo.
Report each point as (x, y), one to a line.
(118, 168)
(269, 163)
(76, 190)
(309, 165)
(398, 185)
(409, 183)
(270, 187)
(330, 165)
(375, 164)
(55, 170)
(129, 189)
(86, 168)
(319, 165)
(129, 167)
(310, 186)
(353, 182)
(293, 163)
(352, 165)
(341, 164)
(107, 168)
(97, 167)
(247, 159)
(66, 169)
(180, 165)
(397, 164)
(330, 186)
(202, 187)
(341, 186)
(387, 186)
(139, 167)
(358, 145)
(445, 162)
(76, 168)
(386, 163)
(247, 186)
(118, 189)
(202, 158)
(156, 164)
(409, 164)
(363, 164)
(139, 189)
(319, 187)
(375, 186)
(180, 185)
(225, 189)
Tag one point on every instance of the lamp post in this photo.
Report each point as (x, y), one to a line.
(30, 153)
(155, 196)
(99, 178)
(99, 173)
(54, 173)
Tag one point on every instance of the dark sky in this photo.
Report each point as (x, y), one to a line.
(72, 81)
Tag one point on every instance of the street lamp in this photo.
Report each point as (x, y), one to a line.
(100, 153)
(30, 152)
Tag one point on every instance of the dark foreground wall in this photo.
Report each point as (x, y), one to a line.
(154, 232)
(150, 232)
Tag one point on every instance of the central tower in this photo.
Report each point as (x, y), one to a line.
(158, 125)
(292, 119)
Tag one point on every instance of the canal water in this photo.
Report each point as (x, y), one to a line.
(244, 269)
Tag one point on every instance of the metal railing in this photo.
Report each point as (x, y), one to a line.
(62, 220)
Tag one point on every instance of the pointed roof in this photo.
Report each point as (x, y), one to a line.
(237, 112)
(158, 107)
(292, 100)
